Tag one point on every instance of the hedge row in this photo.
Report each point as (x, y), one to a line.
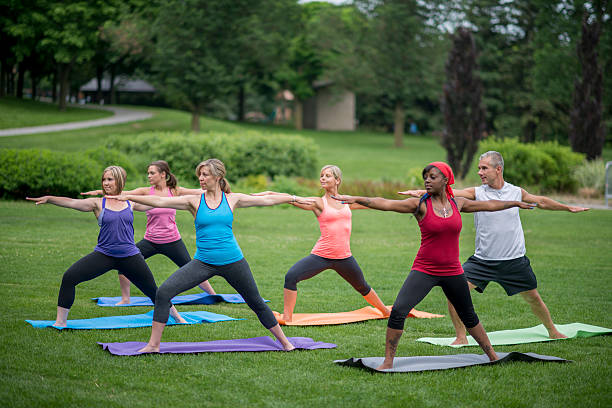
(546, 165)
(243, 154)
(35, 172)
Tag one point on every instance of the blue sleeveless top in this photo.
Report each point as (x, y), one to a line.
(116, 237)
(215, 241)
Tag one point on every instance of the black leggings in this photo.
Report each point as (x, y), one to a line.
(95, 264)
(419, 284)
(175, 251)
(312, 265)
(237, 274)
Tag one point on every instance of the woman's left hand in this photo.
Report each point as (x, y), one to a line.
(345, 199)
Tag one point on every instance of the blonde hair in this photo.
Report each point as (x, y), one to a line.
(119, 175)
(217, 169)
(335, 171)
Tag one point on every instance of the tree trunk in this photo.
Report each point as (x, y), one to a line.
(54, 86)
(113, 95)
(241, 103)
(2, 78)
(34, 80)
(298, 115)
(20, 77)
(99, 77)
(195, 121)
(399, 122)
(64, 75)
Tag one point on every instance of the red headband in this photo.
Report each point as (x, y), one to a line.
(448, 173)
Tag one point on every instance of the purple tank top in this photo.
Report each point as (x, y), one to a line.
(116, 237)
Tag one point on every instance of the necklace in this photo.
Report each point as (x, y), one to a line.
(445, 212)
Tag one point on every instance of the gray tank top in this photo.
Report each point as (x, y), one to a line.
(499, 234)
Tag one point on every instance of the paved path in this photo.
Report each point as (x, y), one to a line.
(121, 115)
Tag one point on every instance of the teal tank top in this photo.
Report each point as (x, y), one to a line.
(215, 241)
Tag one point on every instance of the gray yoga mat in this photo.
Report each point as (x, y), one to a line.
(429, 363)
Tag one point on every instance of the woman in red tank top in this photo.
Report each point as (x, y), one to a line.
(437, 262)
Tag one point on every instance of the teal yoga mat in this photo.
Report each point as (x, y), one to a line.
(521, 336)
(122, 322)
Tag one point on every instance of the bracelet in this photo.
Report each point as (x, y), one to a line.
(294, 200)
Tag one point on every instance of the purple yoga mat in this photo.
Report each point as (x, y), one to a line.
(264, 343)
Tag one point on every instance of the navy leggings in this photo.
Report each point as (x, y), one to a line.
(95, 264)
(419, 284)
(175, 251)
(313, 265)
(237, 274)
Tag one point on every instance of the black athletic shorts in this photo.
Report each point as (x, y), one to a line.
(514, 275)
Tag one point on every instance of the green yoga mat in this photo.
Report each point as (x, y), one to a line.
(529, 335)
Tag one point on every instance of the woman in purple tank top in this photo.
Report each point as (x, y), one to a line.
(161, 235)
(115, 249)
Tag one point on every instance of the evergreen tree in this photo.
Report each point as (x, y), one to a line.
(464, 116)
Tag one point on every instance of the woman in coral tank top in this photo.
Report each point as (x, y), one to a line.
(333, 249)
(161, 235)
(437, 262)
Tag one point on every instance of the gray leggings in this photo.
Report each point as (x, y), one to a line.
(313, 265)
(237, 274)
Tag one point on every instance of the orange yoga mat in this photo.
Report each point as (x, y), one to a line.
(359, 315)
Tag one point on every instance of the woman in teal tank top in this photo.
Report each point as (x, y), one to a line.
(217, 251)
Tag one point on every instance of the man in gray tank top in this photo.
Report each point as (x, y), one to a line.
(500, 243)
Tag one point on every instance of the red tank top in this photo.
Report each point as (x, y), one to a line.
(439, 251)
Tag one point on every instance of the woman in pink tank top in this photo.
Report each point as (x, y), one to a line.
(437, 262)
(332, 250)
(161, 235)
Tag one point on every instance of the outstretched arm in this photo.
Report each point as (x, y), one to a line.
(546, 203)
(312, 204)
(85, 205)
(178, 203)
(139, 191)
(181, 191)
(466, 205)
(469, 193)
(409, 205)
(240, 200)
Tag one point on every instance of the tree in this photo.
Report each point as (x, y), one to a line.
(464, 116)
(197, 51)
(587, 131)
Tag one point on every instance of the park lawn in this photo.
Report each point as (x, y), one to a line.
(570, 254)
(16, 113)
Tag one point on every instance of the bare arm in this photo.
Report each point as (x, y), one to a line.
(85, 204)
(240, 200)
(178, 203)
(313, 203)
(408, 205)
(181, 191)
(546, 203)
(138, 191)
(469, 193)
(468, 206)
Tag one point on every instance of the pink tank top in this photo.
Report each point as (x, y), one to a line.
(161, 225)
(335, 225)
(439, 251)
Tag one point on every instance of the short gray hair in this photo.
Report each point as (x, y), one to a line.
(495, 157)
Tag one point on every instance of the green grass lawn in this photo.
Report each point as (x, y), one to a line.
(15, 113)
(570, 254)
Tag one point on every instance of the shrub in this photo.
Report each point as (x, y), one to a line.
(545, 165)
(245, 154)
(33, 172)
(107, 157)
(591, 175)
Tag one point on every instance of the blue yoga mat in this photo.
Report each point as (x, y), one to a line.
(122, 322)
(196, 299)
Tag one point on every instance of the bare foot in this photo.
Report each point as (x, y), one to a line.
(385, 366)
(387, 312)
(289, 347)
(123, 302)
(556, 335)
(180, 319)
(460, 340)
(149, 349)
(60, 324)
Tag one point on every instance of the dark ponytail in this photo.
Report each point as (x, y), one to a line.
(163, 167)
